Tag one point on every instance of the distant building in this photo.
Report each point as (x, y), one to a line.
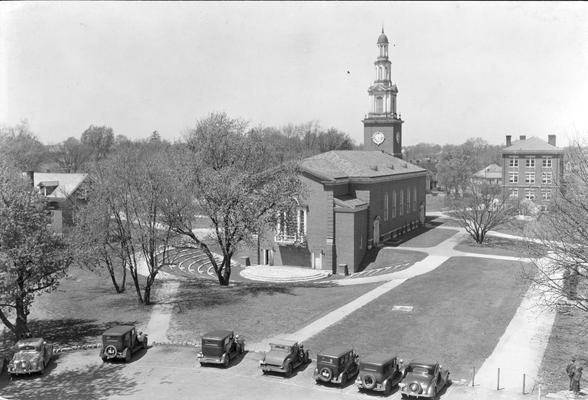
(355, 200)
(532, 168)
(491, 175)
(63, 192)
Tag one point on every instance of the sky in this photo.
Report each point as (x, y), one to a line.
(463, 69)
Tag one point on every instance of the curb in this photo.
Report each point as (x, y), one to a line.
(68, 349)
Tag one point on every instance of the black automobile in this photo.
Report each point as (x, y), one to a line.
(220, 347)
(120, 342)
(379, 372)
(336, 365)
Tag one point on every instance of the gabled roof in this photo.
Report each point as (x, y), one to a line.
(492, 171)
(531, 145)
(66, 184)
(349, 164)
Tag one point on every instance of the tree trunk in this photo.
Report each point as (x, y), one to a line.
(147, 290)
(21, 328)
(7, 322)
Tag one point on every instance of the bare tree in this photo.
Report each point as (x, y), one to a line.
(483, 208)
(234, 180)
(558, 242)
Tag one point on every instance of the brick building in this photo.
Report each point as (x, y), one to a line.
(532, 168)
(354, 199)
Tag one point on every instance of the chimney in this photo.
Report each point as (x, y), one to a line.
(508, 140)
(551, 140)
(523, 137)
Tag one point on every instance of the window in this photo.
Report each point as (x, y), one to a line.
(513, 177)
(546, 194)
(401, 204)
(529, 163)
(394, 204)
(407, 200)
(414, 199)
(547, 162)
(529, 177)
(292, 226)
(547, 178)
(530, 194)
(379, 105)
(386, 207)
(513, 162)
(514, 193)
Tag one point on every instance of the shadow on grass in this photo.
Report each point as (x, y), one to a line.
(199, 293)
(96, 382)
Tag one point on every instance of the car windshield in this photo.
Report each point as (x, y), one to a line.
(280, 347)
(421, 370)
(28, 348)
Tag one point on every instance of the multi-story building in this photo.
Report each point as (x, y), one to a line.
(354, 199)
(532, 168)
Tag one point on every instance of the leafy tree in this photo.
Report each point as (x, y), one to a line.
(21, 147)
(483, 209)
(99, 139)
(233, 178)
(558, 242)
(71, 155)
(32, 258)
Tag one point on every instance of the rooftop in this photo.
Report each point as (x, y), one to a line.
(65, 184)
(531, 145)
(492, 171)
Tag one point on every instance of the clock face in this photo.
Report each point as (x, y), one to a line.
(378, 138)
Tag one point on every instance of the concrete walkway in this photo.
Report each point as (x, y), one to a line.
(161, 312)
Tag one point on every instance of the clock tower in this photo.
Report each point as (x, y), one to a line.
(382, 127)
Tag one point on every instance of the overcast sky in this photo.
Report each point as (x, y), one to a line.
(462, 69)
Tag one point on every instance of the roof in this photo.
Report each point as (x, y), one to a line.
(382, 38)
(492, 171)
(531, 145)
(30, 342)
(118, 330)
(421, 364)
(283, 342)
(217, 334)
(377, 358)
(66, 183)
(336, 351)
(349, 201)
(349, 164)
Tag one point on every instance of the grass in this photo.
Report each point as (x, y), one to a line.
(569, 337)
(492, 245)
(460, 311)
(436, 201)
(430, 238)
(254, 311)
(387, 257)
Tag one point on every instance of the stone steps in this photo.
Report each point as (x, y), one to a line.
(281, 274)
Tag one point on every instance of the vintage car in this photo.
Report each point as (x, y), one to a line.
(379, 372)
(284, 356)
(219, 347)
(336, 365)
(121, 342)
(423, 380)
(31, 355)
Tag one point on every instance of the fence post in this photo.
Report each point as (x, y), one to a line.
(474, 377)
(524, 376)
(498, 380)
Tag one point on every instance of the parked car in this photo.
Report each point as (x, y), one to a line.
(121, 342)
(423, 380)
(284, 356)
(379, 372)
(31, 355)
(219, 347)
(336, 365)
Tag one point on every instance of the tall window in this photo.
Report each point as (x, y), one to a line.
(547, 177)
(401, 204)
(379, 104)
(546, 162)
(530, 194)
(408, 200)
(513, 162)
(394, 204)
(529, 162)
(529, 177)
(513, 177)
(546, 194)
(514, 193)
(386, 206)
(292, 226)
(414, 199)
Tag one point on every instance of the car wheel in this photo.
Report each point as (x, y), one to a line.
(289, 369)
(241, 348)
(369, 381)
(103, 359)
(226, 361)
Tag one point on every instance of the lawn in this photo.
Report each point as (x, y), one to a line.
(83, 306)
(569, 337)
(460, 310)
(493, 246)
(430, 238)
(254, 310)
(387, 257)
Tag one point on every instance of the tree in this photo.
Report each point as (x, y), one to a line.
(71, 154)
(236, 181)
(483, 209)
(19, 145)
(558, 242)
(32, 258)
(133, 184)
(99, 139)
